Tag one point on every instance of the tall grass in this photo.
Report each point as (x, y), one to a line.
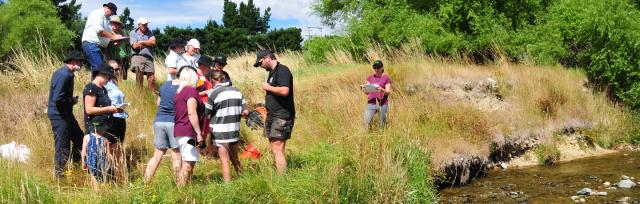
(332, 158)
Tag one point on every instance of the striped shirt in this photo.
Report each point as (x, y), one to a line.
(224, 107)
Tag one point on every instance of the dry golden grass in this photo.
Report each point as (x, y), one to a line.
(334, 158)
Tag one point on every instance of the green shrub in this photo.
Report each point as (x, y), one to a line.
(23, 22)
(316, 48)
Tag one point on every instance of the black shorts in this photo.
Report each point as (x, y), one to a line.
(117, 130)
(278, 128)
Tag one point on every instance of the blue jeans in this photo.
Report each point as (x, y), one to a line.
(94, 55)
(371, 110)
(65, 132)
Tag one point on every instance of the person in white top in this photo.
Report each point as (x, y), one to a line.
(192, 54)
(97, 33)
(176, 49)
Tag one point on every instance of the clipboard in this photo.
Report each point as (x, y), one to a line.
(370, 88)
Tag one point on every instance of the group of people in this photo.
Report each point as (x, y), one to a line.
(197, 101)
(103, 38)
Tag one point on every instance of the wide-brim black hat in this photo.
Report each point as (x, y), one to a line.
(105, 69)
(74, 55)
(112, 7)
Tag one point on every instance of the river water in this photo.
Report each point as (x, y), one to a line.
(553, 184)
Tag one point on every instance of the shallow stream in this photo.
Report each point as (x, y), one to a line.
(553, 184)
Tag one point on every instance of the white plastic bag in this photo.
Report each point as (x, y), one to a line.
(16, 152)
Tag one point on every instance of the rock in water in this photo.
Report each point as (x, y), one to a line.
(601, 193)
(607, 184)
(504, 165)
(585, 191)
(624, 177)
(626, 184)
(592, 177)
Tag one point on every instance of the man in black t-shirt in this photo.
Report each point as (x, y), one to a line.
(281, 111)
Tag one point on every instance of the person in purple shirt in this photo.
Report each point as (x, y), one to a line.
(377, 101)
(189, 111)
(60, 112)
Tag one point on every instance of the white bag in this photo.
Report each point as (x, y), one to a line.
(16, 152)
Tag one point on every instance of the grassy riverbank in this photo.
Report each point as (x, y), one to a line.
(439, 109)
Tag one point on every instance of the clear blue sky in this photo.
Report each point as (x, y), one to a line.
(195, 13)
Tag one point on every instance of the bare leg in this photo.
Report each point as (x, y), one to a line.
(226, 166)
(176, 159)
(186, 172)
(95, 184)
(153, 164)
(139, 77)
(151, 81)
(233, 155)
(277, 149)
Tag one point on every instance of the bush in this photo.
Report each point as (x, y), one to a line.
(23, 22)
(316, 48)
(602, 38)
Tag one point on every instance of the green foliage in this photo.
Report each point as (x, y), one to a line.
(600, 36)
(215, 39)
(603, 38)
(316, 48)
(547, 154)
(246, 16)
(126, 19)
(243, 30)
(23, 22)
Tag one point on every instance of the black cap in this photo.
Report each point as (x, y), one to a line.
(74, 55)
(105, 69)
(221, 59)
(112, 7)
(261, 54)
(205, 60)
(377, 64)
(177, 42)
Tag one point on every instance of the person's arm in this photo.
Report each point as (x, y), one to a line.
(209, 109)
(245, 110)
(158, 102)
(192, 105)
(91, 109)
(172, 70)
(387, 89)
(59, 97)
(277, 90)
(150, 42)
(83, 153)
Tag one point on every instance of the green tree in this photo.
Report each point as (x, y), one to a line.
(26, 23)
(246, 16)
(126, 19)
(230, 14)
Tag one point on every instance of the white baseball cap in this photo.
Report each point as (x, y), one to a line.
(194, 43)
(143, 21)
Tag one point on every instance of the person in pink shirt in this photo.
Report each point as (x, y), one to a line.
(377, 101)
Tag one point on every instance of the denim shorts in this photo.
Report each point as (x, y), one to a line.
(163, 136)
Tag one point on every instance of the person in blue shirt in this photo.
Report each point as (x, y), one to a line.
(118, 125)
(163, 137)
(60, 112)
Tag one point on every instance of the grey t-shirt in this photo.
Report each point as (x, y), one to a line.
(135, 36)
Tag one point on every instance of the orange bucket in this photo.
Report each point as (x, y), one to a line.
(250, 152)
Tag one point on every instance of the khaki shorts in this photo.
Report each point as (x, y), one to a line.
(144, 64)
(278, 128)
